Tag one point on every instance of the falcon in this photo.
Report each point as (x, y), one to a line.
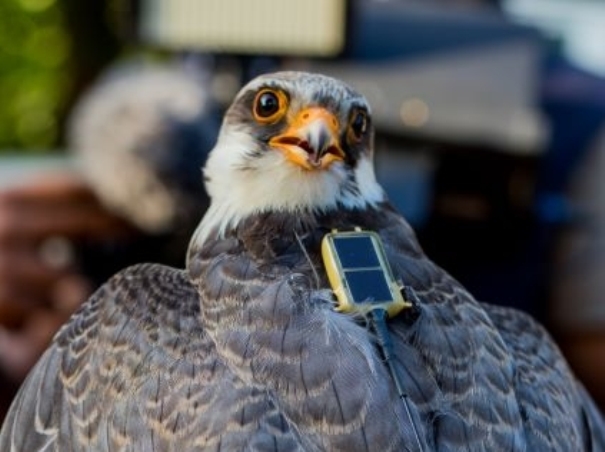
(244, 351)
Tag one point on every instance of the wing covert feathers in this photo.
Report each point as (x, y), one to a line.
(134, 371)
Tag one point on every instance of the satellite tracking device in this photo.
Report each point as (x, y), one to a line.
(363, 283)
(359, 273)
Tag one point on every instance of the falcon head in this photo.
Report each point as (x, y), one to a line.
(290, 142)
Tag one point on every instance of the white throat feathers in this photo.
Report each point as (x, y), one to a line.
(245, 176)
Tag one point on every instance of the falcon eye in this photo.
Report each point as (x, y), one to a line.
(269, 106)
(358, 125)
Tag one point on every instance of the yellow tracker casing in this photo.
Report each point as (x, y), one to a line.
(359, 273)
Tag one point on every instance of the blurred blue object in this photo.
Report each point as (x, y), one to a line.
(408, 180)
(386, 30)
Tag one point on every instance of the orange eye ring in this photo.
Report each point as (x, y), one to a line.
(269, 106)
(358, 125)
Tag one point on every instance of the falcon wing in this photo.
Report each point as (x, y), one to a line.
(556, 406)
(493, 378)
(134, 370)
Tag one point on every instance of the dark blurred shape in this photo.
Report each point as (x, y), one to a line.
(141, 136)
(396, 30)
(95, 44)
(573, 180)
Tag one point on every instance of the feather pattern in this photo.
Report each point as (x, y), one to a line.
(133, 371)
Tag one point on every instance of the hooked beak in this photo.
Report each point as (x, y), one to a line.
(311, 141)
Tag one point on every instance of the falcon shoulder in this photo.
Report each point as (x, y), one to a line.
(494, 378)
(555, 406)
(134, 370)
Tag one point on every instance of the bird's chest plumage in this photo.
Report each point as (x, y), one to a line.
(269, 311)
(267, 307)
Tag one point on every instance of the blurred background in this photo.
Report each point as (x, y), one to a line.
(490, 140)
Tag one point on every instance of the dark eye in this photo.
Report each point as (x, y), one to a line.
(359, 124)
(269, 105)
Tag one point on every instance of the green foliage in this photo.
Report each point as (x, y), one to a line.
(34, 72)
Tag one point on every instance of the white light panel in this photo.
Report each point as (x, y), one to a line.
(280, 27)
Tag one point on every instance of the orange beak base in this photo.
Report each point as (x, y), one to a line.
(312, 140)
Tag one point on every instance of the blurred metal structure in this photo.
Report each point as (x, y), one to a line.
(480, 96)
